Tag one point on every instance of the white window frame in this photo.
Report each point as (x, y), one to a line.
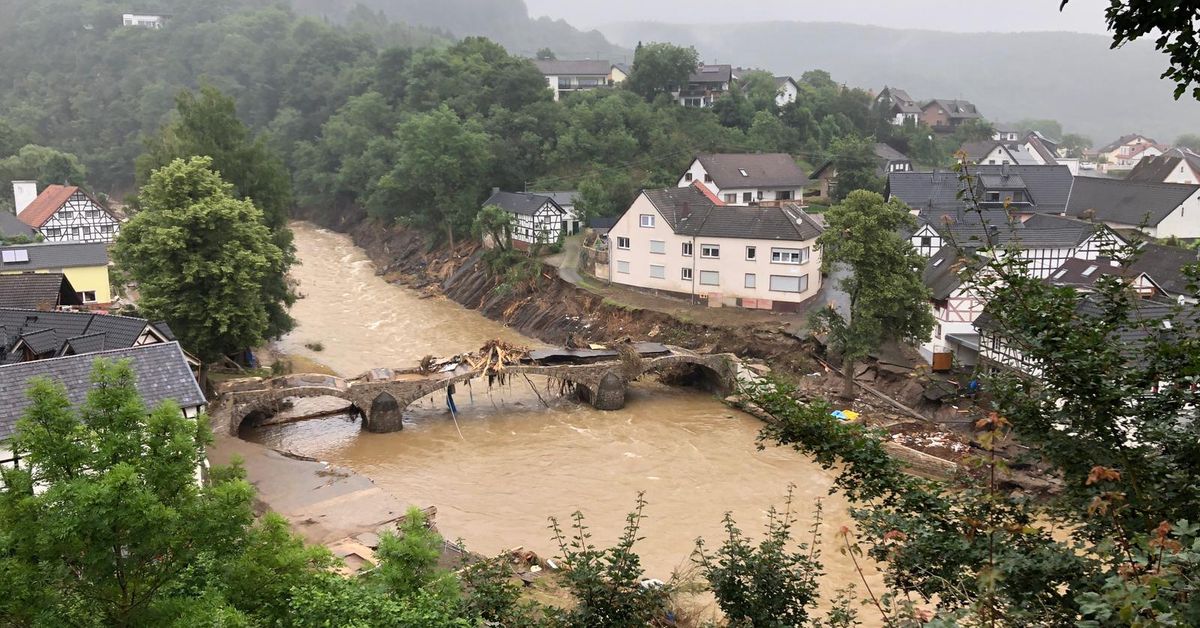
(686, 249)
(711, 274)
(646, 221)
(791, 257)
(710, 251)
(661, 270)
(801, 283)
(751, 281)
(731, 198)
(623, 243)
(685, 273)
(751, 253)
(623, 267)
(658, 247)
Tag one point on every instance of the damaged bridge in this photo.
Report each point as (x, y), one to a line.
(380, 396)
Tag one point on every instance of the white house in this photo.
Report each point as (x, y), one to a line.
(1161, 210)
(706, 85)
(144, 20)
(684, 242)
(564, 76)
(1178, 165)
(64, 213)
(898, 106)
(536, 218)
(745, 178)
(786, 90)
(1125, 147)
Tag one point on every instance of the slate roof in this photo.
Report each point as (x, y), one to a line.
(1042, 146)
(56, 255)
(901, 101)
(37, 291)
(763, 170)
(1165, 264)
(955, 109)
(557, 67)
(1156, 169)
(564, 198)
(524, 203)
(11, 226)
(161, 370)
(712, 74)
(120, 331)
(1048, 186)
(1127, 202)
(884, 151)
(690, 212)
(942, 274)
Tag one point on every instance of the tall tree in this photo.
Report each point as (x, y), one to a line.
(855, 162)
(206, 124)
(203, 260)
(1073, 144)
(1188, 140)
(437, 179)
(119, 533)
(45, 165)
(660, 68)
(882, 278)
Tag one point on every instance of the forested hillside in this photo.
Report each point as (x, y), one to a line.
(504, 21)
(73, 79)
(1070, 77)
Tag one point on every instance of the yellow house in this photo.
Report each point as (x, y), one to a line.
(84, 263)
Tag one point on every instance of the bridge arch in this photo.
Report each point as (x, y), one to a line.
(717, 372)
(247, 404)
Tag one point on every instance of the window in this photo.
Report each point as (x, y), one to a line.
(106, 229)
(87, 231)
(938, 262)
(646, 220)
(687, 249)
(787, 283)
(707, 178)
(658, 246)
(54, 232)
(789, 256)
(88, 296)
(711, 251)
(623, 268)
(926, 241)
(1090, 270)
(751, 280)
(938, 330)
(760, 195)
(685, 273)
(66, 214)
(15, 256)
(710, 278)
(993, 197)
(783, 195)
(731, 198)
(747, 197)
(75, 231)
(687, 176)
(751, 253)
(1059, 274)
(93, 213)
(657, 271)
(622, 243)
(743, 172)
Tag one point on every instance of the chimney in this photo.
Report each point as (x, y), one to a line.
(1004, 169)
(495, 191)
(24, 192)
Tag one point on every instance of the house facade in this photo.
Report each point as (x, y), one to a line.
(85, 266)
(684, 242)
(745, 178)
(898, 106)
(1178, 165)
(786, 90)
(1122, 150)
(62, 213)
(535, 219)
(706, 85)
(565, 77)
(144, 20)
(947, 115)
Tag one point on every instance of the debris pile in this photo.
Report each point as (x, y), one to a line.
(493, 357)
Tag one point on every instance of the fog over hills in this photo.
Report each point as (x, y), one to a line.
(1070, 77)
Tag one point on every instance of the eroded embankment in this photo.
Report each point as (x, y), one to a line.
(553, 309)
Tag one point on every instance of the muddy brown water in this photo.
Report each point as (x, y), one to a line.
(518, 462)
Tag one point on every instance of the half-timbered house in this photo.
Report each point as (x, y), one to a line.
(63, 213)
(536, 219)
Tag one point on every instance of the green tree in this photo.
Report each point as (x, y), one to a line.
(495, 224)
(119, 533)
(661, 68)
(760, 89)
(437, 179)
(45, 165)
(1188, 140)
(1074, 144)
(1050, 128)
(855, 162)
(546, 54)
(887, 299)
(203, 260)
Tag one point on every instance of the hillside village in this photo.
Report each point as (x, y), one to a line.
(734, 231)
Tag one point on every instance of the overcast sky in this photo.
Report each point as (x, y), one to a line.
(1086, 16)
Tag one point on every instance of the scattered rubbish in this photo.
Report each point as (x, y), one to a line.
(845, 415)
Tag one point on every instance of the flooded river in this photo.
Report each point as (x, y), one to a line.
(517, 462)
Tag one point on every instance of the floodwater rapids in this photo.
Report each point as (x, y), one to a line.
(518, 462)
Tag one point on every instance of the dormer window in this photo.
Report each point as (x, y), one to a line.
(993, 197)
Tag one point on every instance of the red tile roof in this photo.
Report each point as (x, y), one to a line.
(44, 206)
(707, 192)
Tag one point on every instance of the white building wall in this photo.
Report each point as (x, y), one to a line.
(787, 94)
(731, 266)
(999, 155)
(80, 220)
(1182, 174)
(24, 193)
(698, 173)
(1184, 222)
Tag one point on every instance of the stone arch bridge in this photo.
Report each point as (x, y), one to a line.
(381, 395)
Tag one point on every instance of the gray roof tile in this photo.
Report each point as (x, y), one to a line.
(57, 255)
(762, 170)
(37, 291)
(1049, 187)
(523, 203)
(161, 370)
(690, 212)
(1127, 202)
